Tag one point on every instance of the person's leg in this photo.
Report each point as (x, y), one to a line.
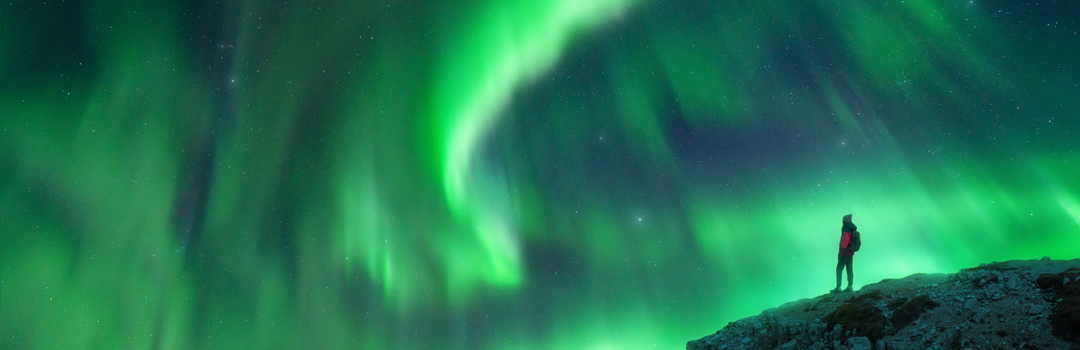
(839, 269)
(850, 273)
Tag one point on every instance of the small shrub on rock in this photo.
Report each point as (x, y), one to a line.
(860, 315)
(911, 311)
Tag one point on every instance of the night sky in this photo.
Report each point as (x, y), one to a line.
(516, 174)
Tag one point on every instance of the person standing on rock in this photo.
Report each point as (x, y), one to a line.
(846, 253)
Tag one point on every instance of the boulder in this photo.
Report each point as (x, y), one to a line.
(858, 343)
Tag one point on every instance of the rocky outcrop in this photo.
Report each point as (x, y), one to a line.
(1032, 304)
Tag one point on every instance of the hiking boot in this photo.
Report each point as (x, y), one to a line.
(837, 290)
(848, 289)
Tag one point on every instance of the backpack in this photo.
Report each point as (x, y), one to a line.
(856, 242)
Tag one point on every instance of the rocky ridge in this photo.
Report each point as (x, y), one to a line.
(1020, 304)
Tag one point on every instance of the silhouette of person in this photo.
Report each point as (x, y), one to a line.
(846, 254)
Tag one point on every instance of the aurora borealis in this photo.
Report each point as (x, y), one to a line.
(526, 174)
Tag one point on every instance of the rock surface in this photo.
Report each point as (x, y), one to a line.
(1021, 304)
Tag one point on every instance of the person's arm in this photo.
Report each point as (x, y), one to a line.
(845, 239)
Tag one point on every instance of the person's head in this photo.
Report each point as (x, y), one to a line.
(847, 219)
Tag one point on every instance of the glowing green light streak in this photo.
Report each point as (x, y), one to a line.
(96, 264)
(513, 44)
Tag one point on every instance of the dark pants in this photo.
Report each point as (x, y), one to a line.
(843, 261)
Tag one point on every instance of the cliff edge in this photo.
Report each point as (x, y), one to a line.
(1020, 304)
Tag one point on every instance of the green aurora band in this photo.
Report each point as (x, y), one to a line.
(558, 174)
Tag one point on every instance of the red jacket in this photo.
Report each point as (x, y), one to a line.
(845, 238)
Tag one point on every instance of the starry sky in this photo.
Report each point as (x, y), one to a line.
(525, 174)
